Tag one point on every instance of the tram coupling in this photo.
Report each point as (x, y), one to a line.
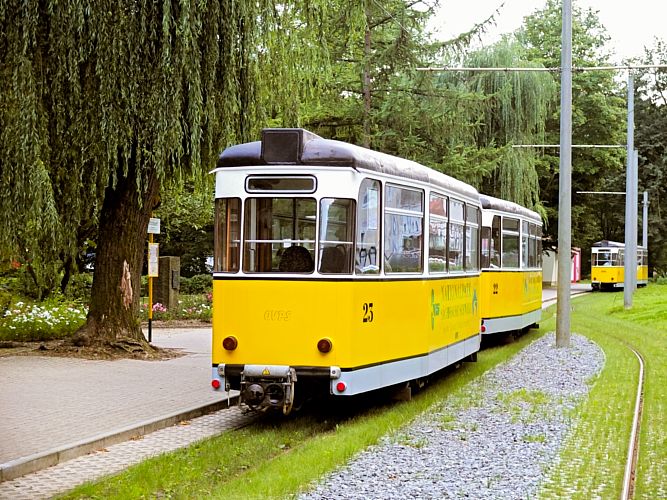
(264, 387)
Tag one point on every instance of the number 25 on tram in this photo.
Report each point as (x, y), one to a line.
(338, 270)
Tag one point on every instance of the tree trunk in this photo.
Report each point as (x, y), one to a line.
(113, 316)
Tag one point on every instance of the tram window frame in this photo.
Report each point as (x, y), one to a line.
(409, 255)
(437, 237)
(496, 250)
(525, 243)
(532, 248)
(227, 236)
(262, 254)
(335, 249)
(511, 233)
(456, 242)
(368, 227)
(284, 179)
(472, 243)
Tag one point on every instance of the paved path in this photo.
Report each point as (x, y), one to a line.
(49, 403)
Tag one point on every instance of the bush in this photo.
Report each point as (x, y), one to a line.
(200, 283)
(79, 287)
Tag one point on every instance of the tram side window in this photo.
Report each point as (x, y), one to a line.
(510, 242)
(495, 242)
(472, 238)
(367, 242)
(279, 235)
(486, 247)
(525, 239)
(532, 248)
(336, 235)
(437, 227)
(403, 233)
(227, 235)
(618, 259)
(456, 236)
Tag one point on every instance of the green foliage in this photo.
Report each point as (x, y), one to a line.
(651, 142)
(200, 283)
(93, 93)
(598, 117)
(79, 287)
(186, 229)
(49, 320)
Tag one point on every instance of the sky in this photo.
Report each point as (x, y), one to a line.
(631, 24)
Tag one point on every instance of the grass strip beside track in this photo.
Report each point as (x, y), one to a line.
(278, 459)
(592, 462)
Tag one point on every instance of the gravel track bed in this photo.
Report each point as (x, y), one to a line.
(496, 439)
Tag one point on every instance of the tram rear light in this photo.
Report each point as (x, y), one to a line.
(215, 383)
(324, 345)
(483, 328)
(341, 386)
(230, 343)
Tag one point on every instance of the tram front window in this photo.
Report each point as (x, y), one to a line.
(367, 243)
(227, 235)
(279, 235)
(336, 235)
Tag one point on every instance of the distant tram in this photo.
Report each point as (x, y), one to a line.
(511, 266)
(608, 265)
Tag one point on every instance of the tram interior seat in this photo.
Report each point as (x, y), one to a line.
(333, 260)
(296, 259)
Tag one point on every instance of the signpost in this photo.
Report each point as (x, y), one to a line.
(153, 254)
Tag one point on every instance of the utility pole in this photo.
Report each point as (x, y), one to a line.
(645, 221)
(565, 183)
(630, 205)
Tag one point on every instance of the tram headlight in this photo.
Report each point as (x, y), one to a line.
(230, 343)
(324, 345)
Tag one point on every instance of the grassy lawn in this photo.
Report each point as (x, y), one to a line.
(593, 461)
(278, 459)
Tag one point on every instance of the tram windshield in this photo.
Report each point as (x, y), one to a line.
(336, 235)
(607, 258)
(279, 235)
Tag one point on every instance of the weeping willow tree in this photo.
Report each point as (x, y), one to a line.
(103, 102)
(518, 105)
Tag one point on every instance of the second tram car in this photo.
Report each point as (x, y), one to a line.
(338, 270)
(511, 266)
(608, 265)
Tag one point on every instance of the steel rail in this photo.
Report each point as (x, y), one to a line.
(633, 446)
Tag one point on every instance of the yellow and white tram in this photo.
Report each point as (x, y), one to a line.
(338, 270)
(511, 286)
(608, 265)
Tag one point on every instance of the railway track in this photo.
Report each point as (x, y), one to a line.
(633, 445)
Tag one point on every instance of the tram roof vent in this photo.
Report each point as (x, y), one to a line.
(284, 145)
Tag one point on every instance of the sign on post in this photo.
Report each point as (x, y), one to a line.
(153, 254)
(154, 225)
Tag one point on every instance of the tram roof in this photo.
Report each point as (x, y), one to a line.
(295, 146)
(608, 243)
(491, 203)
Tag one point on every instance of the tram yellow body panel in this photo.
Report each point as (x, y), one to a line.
(277, 321)
(510, 293)
(615, 274)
